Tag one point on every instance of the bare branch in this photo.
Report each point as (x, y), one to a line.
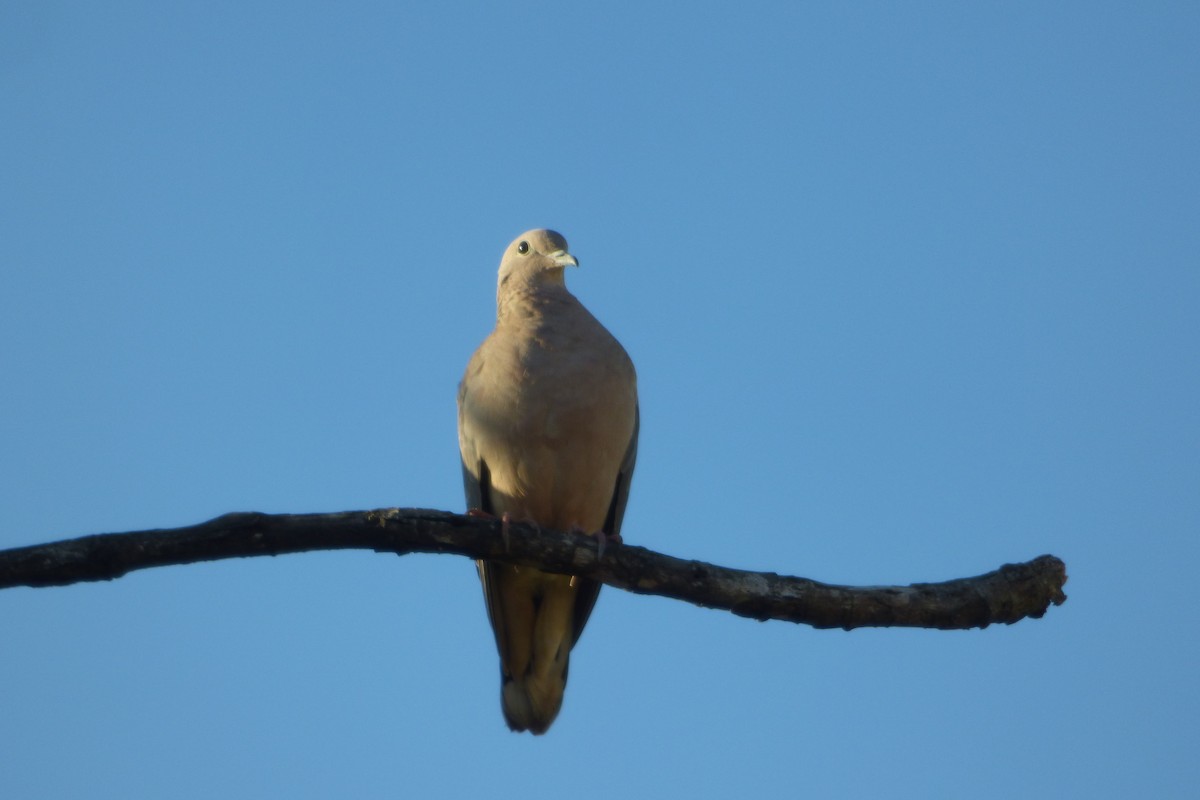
(1009, 594)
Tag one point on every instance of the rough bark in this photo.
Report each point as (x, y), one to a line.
(1008, 594)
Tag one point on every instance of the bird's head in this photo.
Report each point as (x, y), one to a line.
(535, 258)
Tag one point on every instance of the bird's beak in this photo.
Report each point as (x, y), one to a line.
(562, 258)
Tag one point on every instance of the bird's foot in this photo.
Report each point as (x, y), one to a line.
(506, 531)
(505, 519)
(603, 540)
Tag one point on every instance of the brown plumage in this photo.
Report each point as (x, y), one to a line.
(547, 429)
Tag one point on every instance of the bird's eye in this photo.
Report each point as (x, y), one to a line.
(523, 248)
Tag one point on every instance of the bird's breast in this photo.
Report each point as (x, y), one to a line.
(552, 416)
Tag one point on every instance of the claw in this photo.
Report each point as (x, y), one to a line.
(602, 542)
(505, 520)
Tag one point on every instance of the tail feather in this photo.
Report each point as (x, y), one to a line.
(532, 703)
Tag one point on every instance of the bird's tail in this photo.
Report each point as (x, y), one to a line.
(531, 703)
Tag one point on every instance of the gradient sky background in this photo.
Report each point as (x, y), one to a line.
(913, 290)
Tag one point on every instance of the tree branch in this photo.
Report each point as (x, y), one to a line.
(1011, 593)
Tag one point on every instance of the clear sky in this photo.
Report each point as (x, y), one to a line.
(913, 291)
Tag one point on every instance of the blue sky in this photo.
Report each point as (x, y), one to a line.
(912, 290)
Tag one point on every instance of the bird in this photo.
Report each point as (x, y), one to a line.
(548, 424)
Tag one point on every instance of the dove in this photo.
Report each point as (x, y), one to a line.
(547, 430)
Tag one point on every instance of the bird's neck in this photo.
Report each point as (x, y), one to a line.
(523, 304)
